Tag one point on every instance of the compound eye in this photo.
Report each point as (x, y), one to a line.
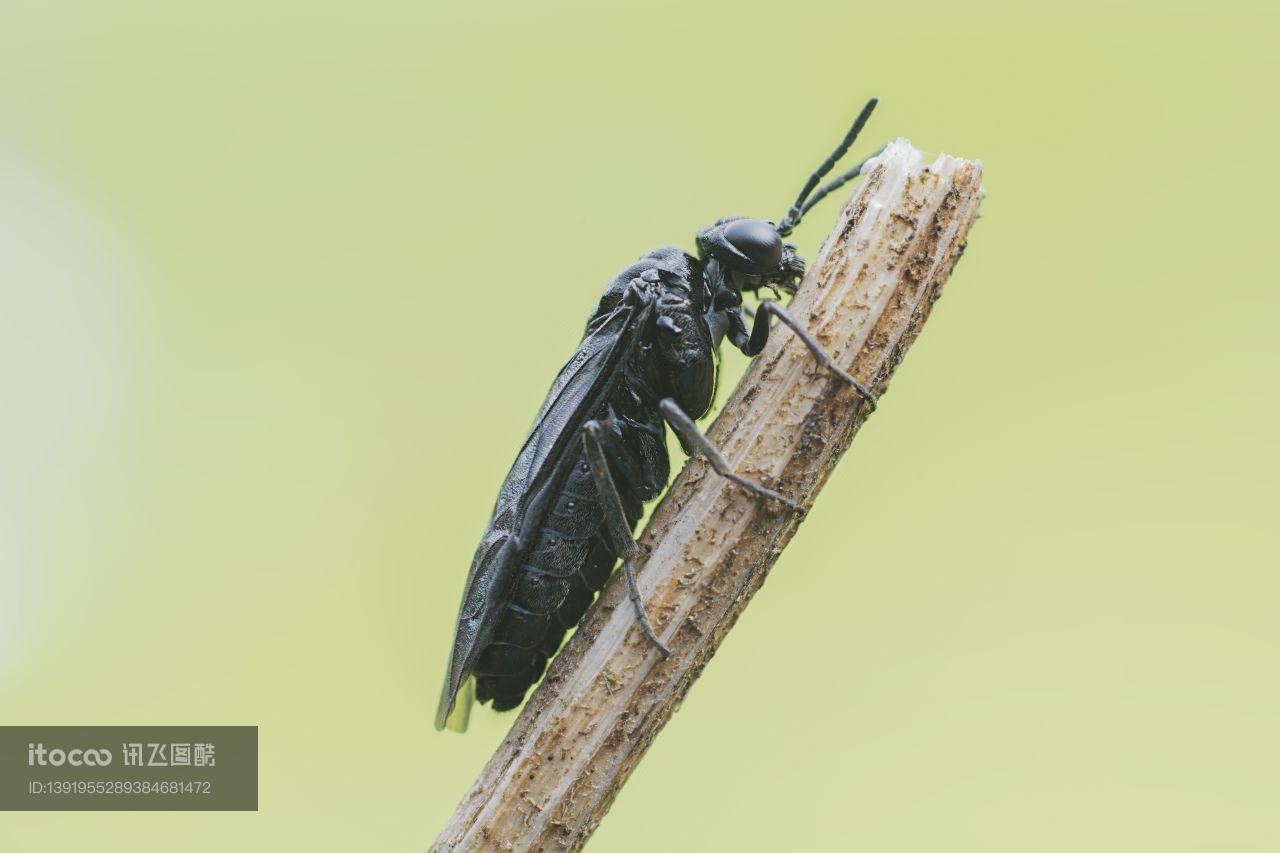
(755, 242)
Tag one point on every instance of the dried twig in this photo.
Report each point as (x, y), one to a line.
(710, 545)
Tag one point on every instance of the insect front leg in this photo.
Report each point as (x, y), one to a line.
(693, 439)
(752, 345)
(616, 527)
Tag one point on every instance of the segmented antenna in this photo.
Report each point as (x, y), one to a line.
(803, 202)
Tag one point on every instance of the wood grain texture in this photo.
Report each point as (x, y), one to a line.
(710, 545)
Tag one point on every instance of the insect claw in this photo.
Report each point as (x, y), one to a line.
(637, 602)
(766, 493)
(797, 507)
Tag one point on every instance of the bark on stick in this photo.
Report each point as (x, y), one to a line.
(710, 545)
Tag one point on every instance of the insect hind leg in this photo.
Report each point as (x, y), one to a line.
(616, 528)
(695, 441)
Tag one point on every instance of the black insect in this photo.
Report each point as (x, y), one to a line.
(597, 450)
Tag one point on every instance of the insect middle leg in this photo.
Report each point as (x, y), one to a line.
(616, 528)
(760, 334)
(694, 440)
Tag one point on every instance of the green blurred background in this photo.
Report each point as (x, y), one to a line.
(283, 284)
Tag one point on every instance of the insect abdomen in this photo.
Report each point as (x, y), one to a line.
(568, 563)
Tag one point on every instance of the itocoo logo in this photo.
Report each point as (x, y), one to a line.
(38, 755)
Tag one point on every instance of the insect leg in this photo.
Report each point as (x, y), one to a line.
(760, 334)
(615, 521)
(693, 438)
